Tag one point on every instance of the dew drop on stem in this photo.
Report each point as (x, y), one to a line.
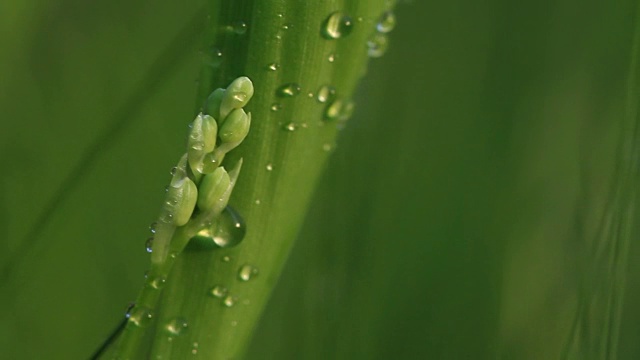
(176, 326)
(337, 25)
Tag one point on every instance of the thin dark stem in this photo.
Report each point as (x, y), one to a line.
(110, 340)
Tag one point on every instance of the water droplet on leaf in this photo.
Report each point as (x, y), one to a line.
(290, 127)
(229, 301)
(148, 245)
(273, 66)
(239, 27)
(228, 231)
(215, 57)
(336, 26)
(269, 167)
(140, 316)
(326, 93)
(218, 291)
(176, 326)
(288, 90)
(276, 107)
(247, 272)
(387, 22)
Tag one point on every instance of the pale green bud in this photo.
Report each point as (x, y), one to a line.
(235, 127)
(236, 96)
(212, 105)
(212, 189)
(202, 140)
(180, 203)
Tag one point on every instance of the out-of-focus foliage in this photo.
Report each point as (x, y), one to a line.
(455, 219)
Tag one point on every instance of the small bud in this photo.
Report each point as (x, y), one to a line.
(212, 190)
(236, 127)
(180, 202)
(195, 144)
(236, 96)
(212, 105)
(210, 132)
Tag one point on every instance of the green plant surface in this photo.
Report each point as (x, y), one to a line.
(459, 215)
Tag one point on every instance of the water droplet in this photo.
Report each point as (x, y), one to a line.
(326, 147)
(280, 15)
(336, 26)
(176, 326)
(152, 227)
(148, 245)
(198, 146)
(156, 282)
(227, 231)
(239, 27)
(326, 93)
(194, 348)
(258, 202)
(273, 66)
(226, 258)
(166, 217)
(276, 107)
(140, 316)
(215, 57)
(331, 58)
(387, 22)
(229, 301)
(218, 291)
(247, 272)
(173, 170)
(234, 323)
(288, 90)
(286, 26)
(377, 45)
(339, 109)
(290, 126)
(269, 167)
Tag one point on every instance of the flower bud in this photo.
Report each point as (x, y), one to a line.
(212, 190)
(180, 202)
(236, 96)
(236, 127)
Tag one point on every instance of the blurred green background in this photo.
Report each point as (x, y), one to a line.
(463, 214)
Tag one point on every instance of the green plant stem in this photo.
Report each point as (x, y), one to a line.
(290, 139)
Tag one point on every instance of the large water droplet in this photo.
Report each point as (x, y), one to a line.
(227, 231)
(247, 272)
(176, 326)
(288, 90)
(377, 45)
(269, 167)
(140, 316)
(218, 291)
(387, 22)
(326, 93)
(336, 25)
(289, 127)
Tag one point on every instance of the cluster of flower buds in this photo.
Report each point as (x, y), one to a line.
(198, 179)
